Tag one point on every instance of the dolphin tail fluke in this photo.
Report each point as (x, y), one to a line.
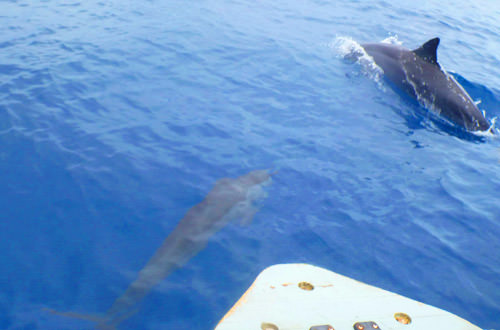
(102, 322)
(89, 317)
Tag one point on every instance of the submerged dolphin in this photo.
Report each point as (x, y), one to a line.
(418, 73)
(229, 199)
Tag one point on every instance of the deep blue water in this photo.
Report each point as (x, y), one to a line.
(116, 117)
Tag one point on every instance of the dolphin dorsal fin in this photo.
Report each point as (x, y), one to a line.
(428, 51)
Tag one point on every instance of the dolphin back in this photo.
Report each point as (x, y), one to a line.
(418, 73)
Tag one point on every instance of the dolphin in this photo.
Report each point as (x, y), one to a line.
(418, 73)
(229, 199)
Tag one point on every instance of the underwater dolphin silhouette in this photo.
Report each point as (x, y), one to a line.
(418, 73)
(229, 199)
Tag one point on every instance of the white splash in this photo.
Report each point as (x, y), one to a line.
(344, 46)
(492, 132)
(393, 40)
(349, 49)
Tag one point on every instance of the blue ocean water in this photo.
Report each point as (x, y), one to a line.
(117, 117)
